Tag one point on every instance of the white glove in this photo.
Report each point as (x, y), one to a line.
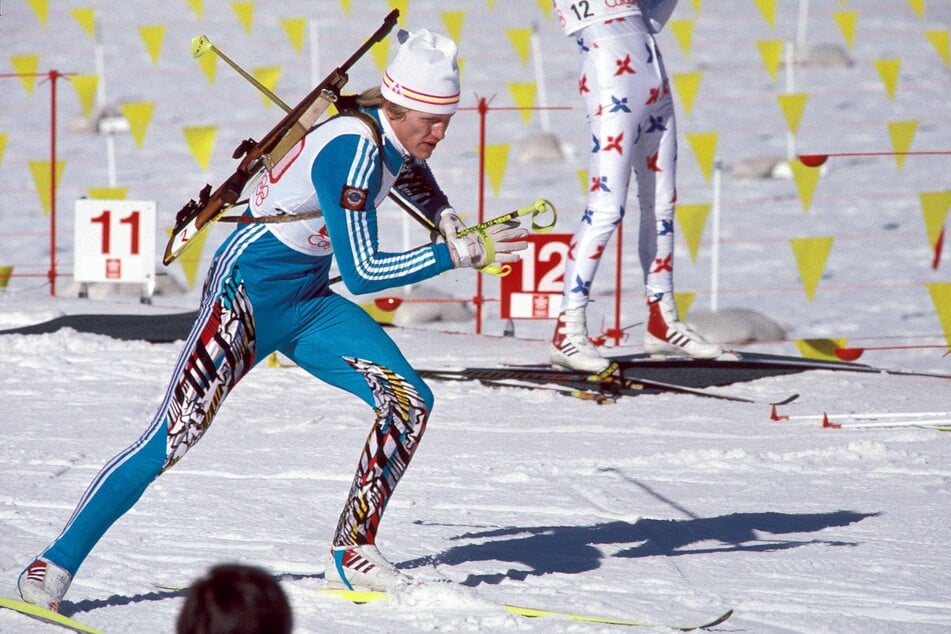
(496, 243)
(449, 224)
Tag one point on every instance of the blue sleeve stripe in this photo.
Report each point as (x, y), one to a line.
(362, 166)
(372, 267)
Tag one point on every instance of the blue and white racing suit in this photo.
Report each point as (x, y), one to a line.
(268, 290)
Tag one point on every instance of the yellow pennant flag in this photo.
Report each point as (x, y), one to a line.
(267, 76)
(704, 145)
(692, 219)
(380, 53)
(768, 9)
(941, 296)
(107, 193)
(793, 105)
(3, 144)
(918, 6)
(201, 141)
(42, 178)
(805, 179)
(772, 53)
(888, 71)
(934, 209)
(198, 6)
(583, 179)
(208, 64)
(821, 349)
(41, 9)
(191, 257)
(696, 5)
(683, 302)
(295, 29)
(245, 13)
(139, 116)
(496, 158)
(521, 40)
(523, 94)
(345, 5)
(846, 21)
(86, 17)
(400, 5)
(85, 86)
(26, 66)
(939, 40)
(453, 21)
(683, 31)
(902, 134)
(811, 255)
(686, 86)
(152, 37)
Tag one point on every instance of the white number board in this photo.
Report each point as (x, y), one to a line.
(114, 241)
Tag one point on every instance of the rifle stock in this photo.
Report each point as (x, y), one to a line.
(196, 216)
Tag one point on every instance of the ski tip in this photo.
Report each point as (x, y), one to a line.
(717, 621)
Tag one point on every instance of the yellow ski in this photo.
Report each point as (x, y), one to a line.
(47, 616)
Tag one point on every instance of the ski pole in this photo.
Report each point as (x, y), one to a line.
(536, 209)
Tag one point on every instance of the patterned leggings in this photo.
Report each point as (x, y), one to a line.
(631, 119)
(249, 310)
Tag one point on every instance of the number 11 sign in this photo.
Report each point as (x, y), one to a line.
(115, 241)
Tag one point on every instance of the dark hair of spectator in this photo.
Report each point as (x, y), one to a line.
(235, 599)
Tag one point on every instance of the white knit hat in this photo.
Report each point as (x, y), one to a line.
(424, 75)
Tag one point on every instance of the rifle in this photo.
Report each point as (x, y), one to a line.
(195, 217)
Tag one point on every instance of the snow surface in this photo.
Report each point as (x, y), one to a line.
(666, 508)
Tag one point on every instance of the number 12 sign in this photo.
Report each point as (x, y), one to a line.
(114, 241)
(532, 290)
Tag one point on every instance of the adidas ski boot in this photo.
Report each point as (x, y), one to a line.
(362, 568)
(570, 347)
(667, 335)
(43, 583)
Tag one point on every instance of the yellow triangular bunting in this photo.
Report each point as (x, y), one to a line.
(696, 5)
(295, 29)
(684, 301)
(811, 255)
(683, 31)
(704, 145)
(86, 17)
(207, 63)
(521, 40)
(941, 296)
(85, 86)
(25, 66)
(496, 158)
(523, 94)
(139, 116)
(820, 349)
(3, 144)
(772, 53)
(934, 209)
(198, 6)
(806, 179)
(267, 76)
(846, 21)
(686, 86)
(41, 9)
(152, 37)
(918, 6)
(583, 179)
(42, 178)
(939, 39)
(201, 142)
(345, 5)
(108, 193)
(768, 9)
(245, 13)
(793, 105)
(381, 52)
(453, 21)
(902, 134)
(545, 7)
(692, 219)
(400, 5)
(888, 71)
